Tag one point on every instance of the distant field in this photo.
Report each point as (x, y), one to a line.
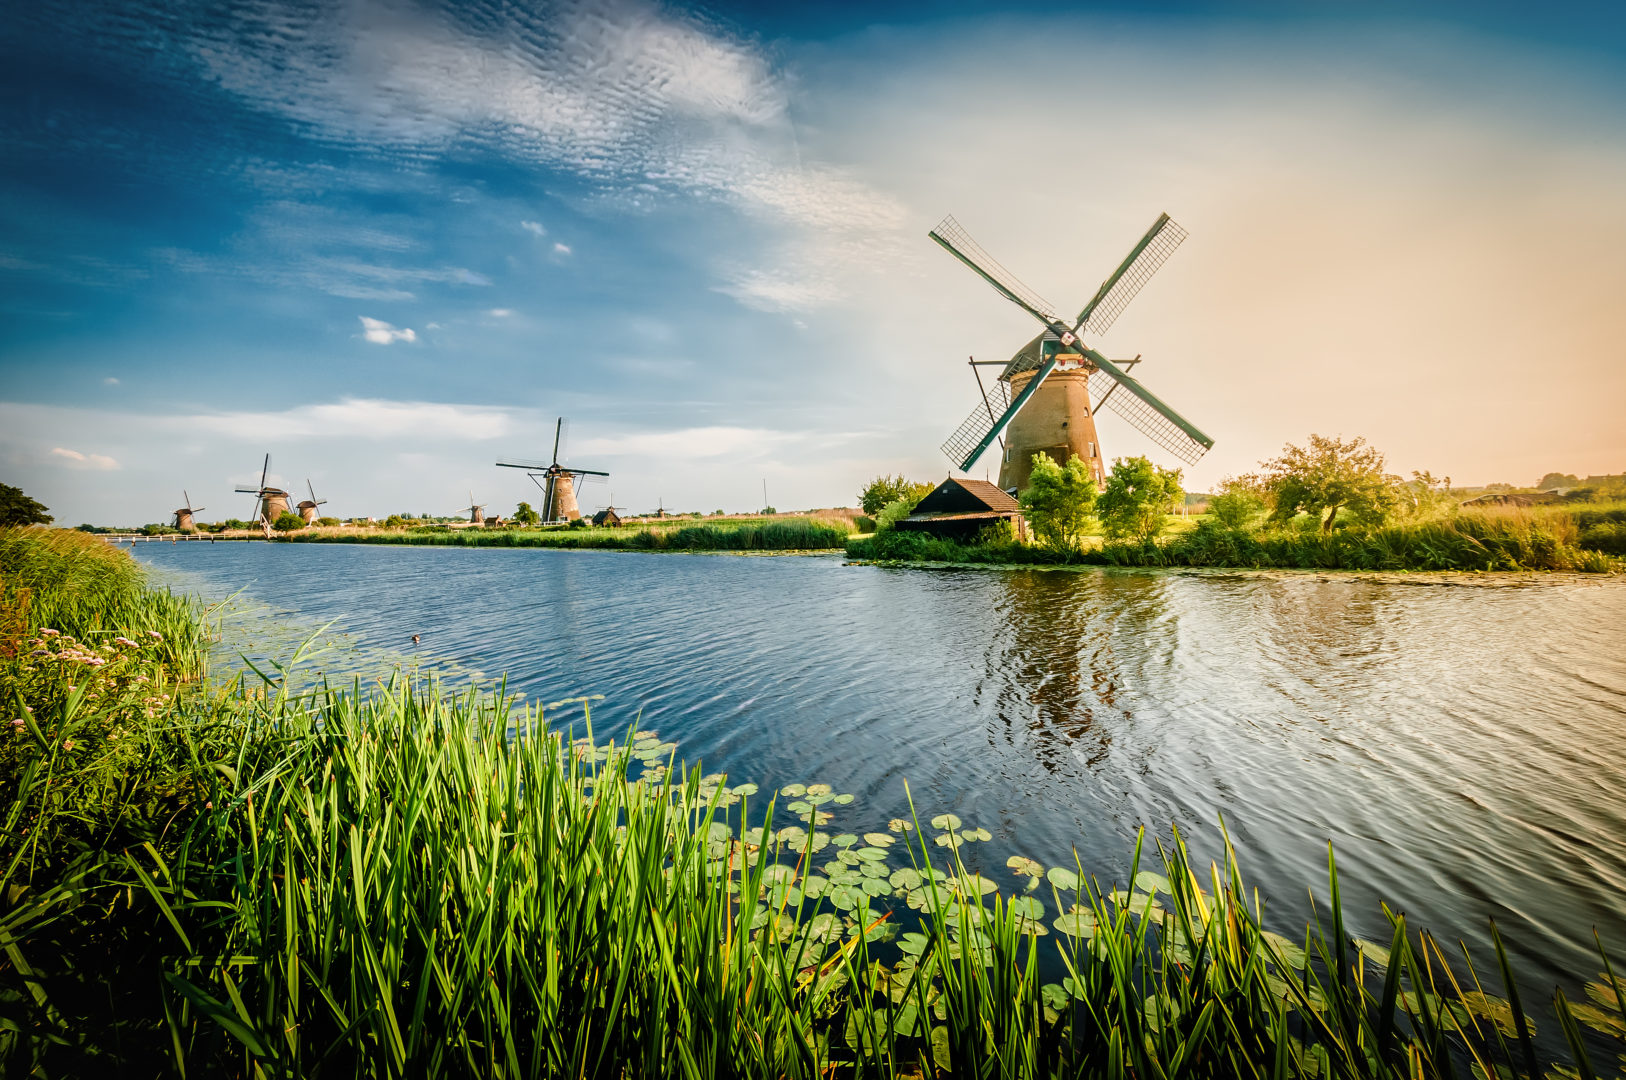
(778, 533)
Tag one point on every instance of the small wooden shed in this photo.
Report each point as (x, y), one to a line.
(607, 518)
(960, 509)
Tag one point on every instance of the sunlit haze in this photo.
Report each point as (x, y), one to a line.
(389, 243)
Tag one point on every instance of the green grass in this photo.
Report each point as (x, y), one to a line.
(410, 883)
(773, 534)
(1496, 539)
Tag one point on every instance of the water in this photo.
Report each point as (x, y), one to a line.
(1461, 745)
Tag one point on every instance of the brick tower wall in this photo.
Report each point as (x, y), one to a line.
(1055, 421)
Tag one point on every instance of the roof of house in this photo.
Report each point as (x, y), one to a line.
(954, 496)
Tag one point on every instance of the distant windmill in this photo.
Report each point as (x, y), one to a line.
(269, 503)
(476, 511)
(307, 507)
(1059, 419)
(558, 483)
(183, 516)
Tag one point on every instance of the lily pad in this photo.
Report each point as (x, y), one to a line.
(1026, 907)
(907, 878)
(1291, 953)
(819, 789)
(974, 885)
(1062, 878)
(879, 839)
(745, 789)
(946, 821)
(778, 874)
(800, 807)
(1373, 952)
(900, 825)
(1078, 924)
(871, 854)
(1021, 864)
(1148, 882)
(842, 800)
(793, 790)
(845, 840)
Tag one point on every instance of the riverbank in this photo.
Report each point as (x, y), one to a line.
(1582, 541)
(784, 534)
(479, 894)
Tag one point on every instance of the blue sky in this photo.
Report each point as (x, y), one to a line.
(389, 242)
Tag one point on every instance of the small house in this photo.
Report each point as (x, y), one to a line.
(960, 509)
(607, 518)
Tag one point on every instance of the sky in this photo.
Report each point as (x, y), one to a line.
(390, 242)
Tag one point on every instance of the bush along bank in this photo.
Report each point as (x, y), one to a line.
(1484, 541)
(408, 883)
(788, 534)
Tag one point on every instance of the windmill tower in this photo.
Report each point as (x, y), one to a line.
(307, 507)
(557, 482)
(1046, 396)
(476, 511)
(183, 516)
(269, 503)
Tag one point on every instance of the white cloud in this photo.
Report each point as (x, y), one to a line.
(365, 418)
(382, 333)
(561, 249)
(767, 291)
(110, 381)
(75, 460)
(533, 227)
(500, 312)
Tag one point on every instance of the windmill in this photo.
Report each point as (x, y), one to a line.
(307, 507)
(559, 488)
(269, 503)
(183, 516)
(476, 511)
(1042, 398)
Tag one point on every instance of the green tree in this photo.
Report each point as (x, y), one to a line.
(1329, 476)
(18, 509)
(895, 511)
(525, 514)
(889, 489)
(1239, 501)
(1558, 480)
(288, 521)
(1059, 500)
(1137, 496)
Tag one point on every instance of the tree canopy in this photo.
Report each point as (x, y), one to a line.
(882, 490)
(1059, 500)
(525, 514)
(1329, 476)
(1558, 480)
(1238, 502)
(17, 508)
(1137, 496)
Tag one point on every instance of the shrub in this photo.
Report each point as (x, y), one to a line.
(328, 522)
(1238, 503)
(1059, 500)
(288, 521)
(864, 523)
(1137, 496)
(884, 490)
(894, 512)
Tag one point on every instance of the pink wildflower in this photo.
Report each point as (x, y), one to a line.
(155, 635)
(67, 744)
(48, 632)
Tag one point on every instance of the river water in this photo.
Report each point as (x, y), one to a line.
(1461, 744)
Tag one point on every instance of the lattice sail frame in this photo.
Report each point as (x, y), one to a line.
(975, 427)
(1145, 419)
(1103, 310)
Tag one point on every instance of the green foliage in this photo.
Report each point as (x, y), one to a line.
(17, 508)
(158, 530)
(1558, 480)
(864, 523)
(328, 522)
(1329, 476)
(237, 524)
(1137, 497)
(269, 882)
(1059, 500)
(580, 523)
(895, 511)
(884, 490)
(767, 511)
(525, 514)
(395, 521)
(1239, 502)
(287, 522)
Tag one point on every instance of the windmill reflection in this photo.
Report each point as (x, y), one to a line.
(1062, 691)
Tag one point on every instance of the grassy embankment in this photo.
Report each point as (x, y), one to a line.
(1579, 538)
(259, 882)
(769, 534)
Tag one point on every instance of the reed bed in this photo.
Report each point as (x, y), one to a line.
(405, 882)
(1494, 539)
(780, 534)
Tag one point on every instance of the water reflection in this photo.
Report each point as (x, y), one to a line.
(1461, 747)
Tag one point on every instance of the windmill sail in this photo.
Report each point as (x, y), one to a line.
(958, 242)
(982, 423)
(1145, 412)
(1134, 272)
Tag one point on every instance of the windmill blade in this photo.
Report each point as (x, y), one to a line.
(966, 445)
(188, 498)
(312, 490)
(526, 463)
(265, 472)
(1146, 413)
(587, 472)
(958, 243)
(1134, 272)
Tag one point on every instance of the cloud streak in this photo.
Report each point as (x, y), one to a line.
(380, 332)
(73, 459)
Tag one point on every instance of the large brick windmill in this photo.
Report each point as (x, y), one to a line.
(270, 503)
(558, 482)
(1042, 399)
